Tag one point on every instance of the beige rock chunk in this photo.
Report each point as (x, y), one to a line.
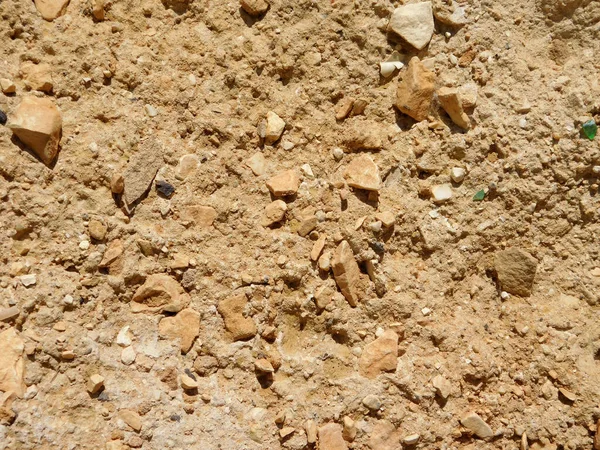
(98, 9)
(188, 164)
(387, 218)
(95, 384)
(12, 365)
(185, 326)
(51, 9)
(232, 310)
(350, 430)
(141, 170)
(263, 365)
(318, 247)
(516, 271)
(37, 122)
(344, 107)
(384, 436)
(413, 23)
(7, 86)
(97, 230)
(113, 252)
(330, 437)
(131, 418)
(415, 91)
(37, 77)
(468, 95)
(284, 184)
(203, 216)
(311, 431)
(478, 427)
(274, 213)
(274, 128)
(442, 386)
(362, 173)
(160, 293)
(441, 192)
(365, 136)
(257, 163)
(452, 103)
(188, 383)
(307, 225)
(379, 356)
(450, 14)
(254, 7)
(347, 273)
(117, 183)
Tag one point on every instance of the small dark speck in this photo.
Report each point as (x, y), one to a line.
(175, 418)
(164, 188)
(3, 118)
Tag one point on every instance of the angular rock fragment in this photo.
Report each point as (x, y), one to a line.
(141, 170)
(330, 437)
(232, 310)
(415, 91)
(516, 271)
(185, 326)
(441, 192)
(12, 365)
(442, 386)
(98, 9)
(7, 86)
(37, 122)
(274, 128)
(452, 103)
(37, 77)
(413, 23)
(452, 14)
(131, 418)
(307, 225)
(113, 252)
(187, 165)
(95, 384)
(347, 273)
(478, 427)
(257, 163)
(284, 184)
(51, 9)
(254, 7)
(318, 247)
(363, 137)
(362, 173)
(344, 107)
(159, 293)
(385, 436)
(379, 356)
(274, 213)
(203, 216)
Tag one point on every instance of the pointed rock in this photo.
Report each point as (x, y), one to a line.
(274, 213)
(381, 355)
(185, 326)
(362, 173)
(141, 170)
(37, 77)
(275, 126)
(415, 91)
(413, 23)
(452, 103)
(516, 271)
(473, 422)
(12, 365)
(347, 273)
(160, 293)
(284, 184)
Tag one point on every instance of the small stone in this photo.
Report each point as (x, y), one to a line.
(284, 184)
(337, 153)
(7, 86)
(476, 425)
(516, 271)
(257, 163)
(123, 339)
(202, 216)
(344, 107)
(413, 23)
(307, 225)
(311, 431)
(384, 436)
(359, 107)
(318, 247)
(113, 252)
(188, 383)
(151, 111)
(307, 170)
(128, 356)
(95, 384)
(188, 164)
(411, 439)
(263, 366)
(570, 396)
(159, 293)
(379, 356)
(324, 262)
(9, 313)
(274, 213)
(141, 170)
(450, 100)
(441, 193)
(28, 280)
(386, 218)
(3, 118)
(60, 326)
(232, 310)
(363, 137)
(330, 437)
(131, 418)
(415, 92)
(37, 77)
(51, 9)
(84, 245)
(457, 174)
(98, 9)
(164, 188)
(117, 183)
(185, 326)
(372, 402)
(254, 7)
(442, 386)
(12, 364)
(286, 432)
(274, 128)
(347, 273)
(97, 230)
(450, 13)
(362, 173)
(468, 95)
(350, 430)
(37, 122)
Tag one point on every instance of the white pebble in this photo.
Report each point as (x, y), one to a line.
(426, 311)
(504, 295)
(151, 111)
(68, 300)
(457, 174)
(28, 280)
(123, 338)
(128, 356)
(338, 153)
(84, 245)
(442, 192)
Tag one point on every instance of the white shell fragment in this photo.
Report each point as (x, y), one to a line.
(390, 65)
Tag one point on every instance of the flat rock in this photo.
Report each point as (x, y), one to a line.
(232, 310)
(160, 293)
(97, 230)
(188, 164)
(274, 128)
(131, 418)
(476, 425)
(415, 91)
(330, 437)
(141, 170)
(274, 213)
(284, 184)
(442, 386)
(51, 9)
(185, 326)
(413, 23)
(37, 77)
(347, 273)
(95, 384)
(254, 7)
(7, 86)
(451, 101)
(365, 136)
(202, 216)
(450, 14)
(379, 356)
(362, 173)
(113, 252)
(384, 436)
(12, 364)
(257, 163)
(516, 271)
(37, 122)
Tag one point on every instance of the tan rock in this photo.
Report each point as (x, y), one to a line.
(365, 136)
(117, 183)
(232, 310)
(274, 128)
(362, 173)
(379, 356)
(95, 384)
(37, 77)
(98, 9)
(318, 247)
(188, 383)
(330, 437)
(347, 273)
(254, 7)
(51, 9)
(97, 230)
(202, 216)
(413, 23)
(131, 418)
(263, 365)
(7, 86)
(450, 13)
(386, 218)
(311, 431)
(415, 91)
(37, 122)
(188, 164)
(116, 445)
(468, 95)
(7, 416)
(516, 271)
(184, 326)
(274, 213)
(284, 184)
(344, 107)
(384, 436)
(452, 103)
(113, 252)
(441, 192)
(442, 386)
(160, 293)
(12, 364)
(307, 225)
(141, 170)
(257, 163)
(350, 430)
(478, 427)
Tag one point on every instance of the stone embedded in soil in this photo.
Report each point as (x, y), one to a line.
(202, 216)
(185, 326)
(386, 218)
(364, 136)
(232, 310)
(188, 383)
(450, 14)
(415, 91)
(263, 365)
(413, 23)
(131, 418)
(257, 163)
(37, 122)
(372, 402)
(307, 225)
(160, 293)
(457, 174)
(362, 173)
(284, 184)
(379, 356)
(95, 384)
(344, 107)
(318, 247)
(51, 9)
(98, 9)
(188, 164)
(141, 170)
(37, 77)
(254, 7)
(274, 128)
(7, 86)
(350, 430)
(476, 425)
(97, 230)
(330, 437)
(12, 364)
(450, 100)
(274, 213)
(117, 183)
(442, 386)
(310, 427)
(347, 273)
(113, 252)
(128, 356)
(384, 436)
(468, 95)
(441, 193)
(516, 271)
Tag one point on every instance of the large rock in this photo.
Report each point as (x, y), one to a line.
(37, 122)
(185, 326)
(284, 184)
(51, 9)
(141, 170)
(330, 437)
(516, 271)
(362, 173)
(160, 293)
(478, 427)
(379, 356)
(12, 365)
(413, 23)
(347, 273)
(452, 103)
(415, 91)
(232, 310)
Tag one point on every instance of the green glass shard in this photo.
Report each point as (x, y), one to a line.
(590, 129)
(480, 195)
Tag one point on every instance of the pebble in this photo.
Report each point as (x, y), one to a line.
(184, 326)
(141, 170)
(274, 128)
(362, 173)
(386, 218)
(151, 111)
(9, 313)
(95, 384)
(311, 431)
(284, 184)
(476, 425)
(411, 439)
(274, 213)
(516, 271)
(347, 273)
(3, 118)
(131, 418)
(330, 437)
(450, 100)
(307, 170)
(117, 183)
(97, 230)
(159, 293)
(128, 356)
(457, 174)
(51, 9)
(84, 245)
(451, 13)
(38, 77)
(349, 432)
(98, 9)
(164, 188)
(570, 396)
(123, 339)
(344, 107)
(468, 95)
(372, 402)
(287, 145)
(441, 193)
(414, 23)
(415, 92)
(188, 164)
(307, 225)
(379, 356)
(286, 432)
(318, 248)
(324, 262)
(263, 365)
(257, 163)
(37, 122)
(254, 7)
(12, 365)
(7, 86)
(232, 310)
(28, 280)
(68, 300)
(113, 252)
(188, 383)
(442, 386)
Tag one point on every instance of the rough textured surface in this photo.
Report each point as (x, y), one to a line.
(347, 273)
(51, 9)
(415, 91)
(185, 326)
(160, 293)
(380, 355)
(141, 170)
(516, 271)
(414, 23)
(232, 310)
(11, 362)
(362, 173)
